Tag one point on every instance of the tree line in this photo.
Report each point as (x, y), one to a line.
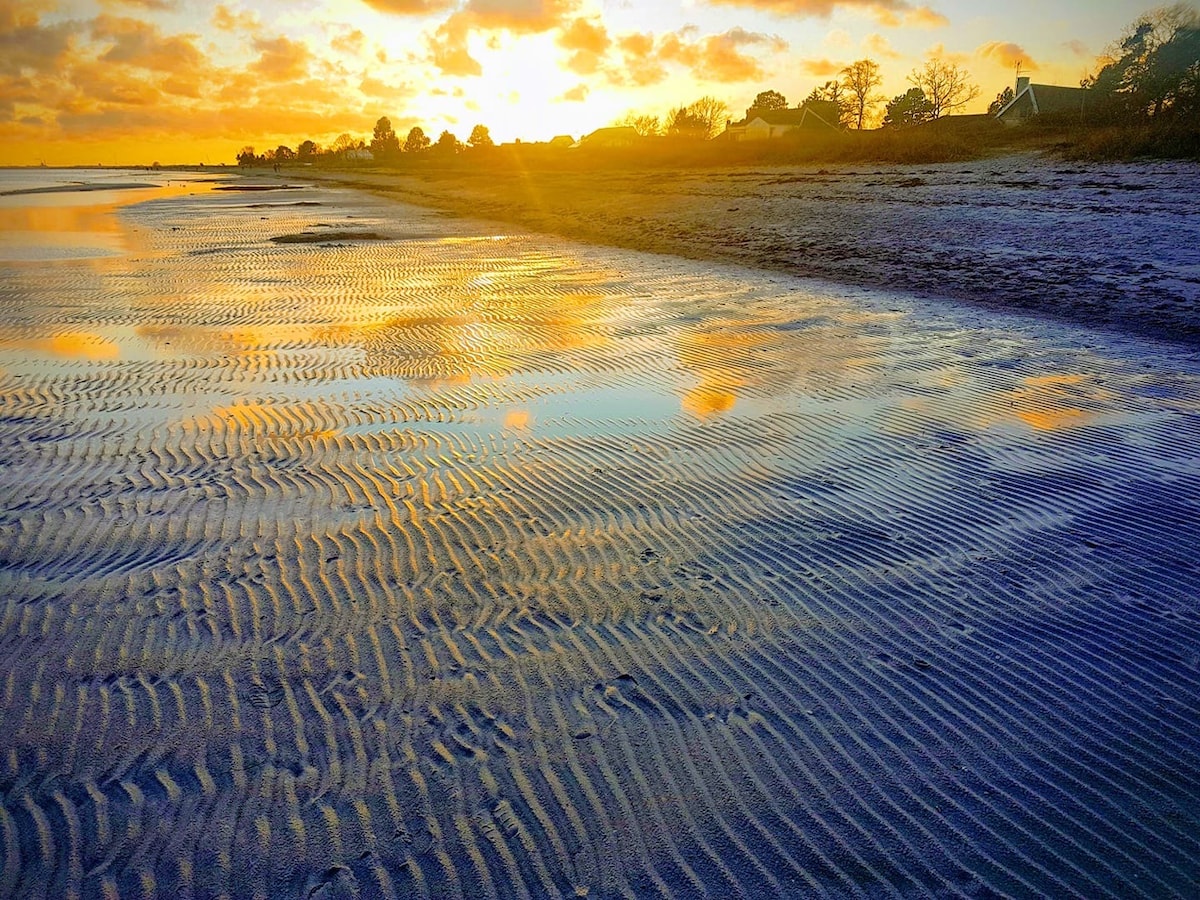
(385, 144)
(1150, 74)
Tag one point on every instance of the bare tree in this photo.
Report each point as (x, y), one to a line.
(860, 81)
(343, 143)
(945, 85)
(711, 112)
(644, 124)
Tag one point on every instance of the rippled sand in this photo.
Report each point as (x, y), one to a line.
(460, 564)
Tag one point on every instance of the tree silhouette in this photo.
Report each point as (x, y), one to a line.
(1154, 69)
(909, 108)
(480, 137)
(683, 123)
(447, 144)
(860, 81)
(1002, 100)
(946, 86)
(343, 143)
(384, 142)
(246, 156)
(307, 150)
(284, 153)
(711, 113)
(416, 141)
(769, 100)
(829, 101)
(644, 124)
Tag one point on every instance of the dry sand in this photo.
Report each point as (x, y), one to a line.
(1105, 245)
(476, 563)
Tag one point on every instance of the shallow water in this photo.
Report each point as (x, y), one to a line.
(484, 564)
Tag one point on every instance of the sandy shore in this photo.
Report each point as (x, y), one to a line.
(1109, 245)
(412, 557)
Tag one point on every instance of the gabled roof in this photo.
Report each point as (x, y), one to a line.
(1049, 98)
(614, 132)
(802, 117)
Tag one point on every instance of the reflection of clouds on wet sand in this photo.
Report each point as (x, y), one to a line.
(451, 560)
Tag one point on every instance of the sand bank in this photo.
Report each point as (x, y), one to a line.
(1107, 245)
(478, 563)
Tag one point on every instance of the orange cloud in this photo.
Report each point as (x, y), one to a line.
(1006, 54)
(714, 57)
(576, 94)
(157, 5)
(351, 43)
(26, 44)
(821, 67)
(140, 44)
(589, 40)
(823, 8)
(409, 7)
(518, 16)
(877, 45)
(640, 64)
(924, 17)
(281, 59)
(448, 49)
(226, 19)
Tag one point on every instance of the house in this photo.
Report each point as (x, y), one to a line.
(358, 155)
(562, 142)
(764, 124)
(614, 136)
(1043, 99)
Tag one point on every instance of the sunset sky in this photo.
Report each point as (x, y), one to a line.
(135, 81)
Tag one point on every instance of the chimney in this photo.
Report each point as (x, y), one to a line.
(1022, 83)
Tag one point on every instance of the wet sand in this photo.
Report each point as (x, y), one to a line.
(1114, 246)
(471, 562)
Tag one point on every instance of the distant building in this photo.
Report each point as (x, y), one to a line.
(764, 124)
(614, 136)
(562, 141)
(1043, 99)
(358, 155)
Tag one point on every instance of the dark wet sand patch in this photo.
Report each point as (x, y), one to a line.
(310, 237)
(259, 187)
(78, 188)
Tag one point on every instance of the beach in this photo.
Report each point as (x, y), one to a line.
(1105, 245)
(633, 546)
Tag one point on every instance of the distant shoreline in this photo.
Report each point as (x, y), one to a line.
(1109, 246)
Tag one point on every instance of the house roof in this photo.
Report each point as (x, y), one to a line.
(802, 117)
(614, 132)
(1049, 98)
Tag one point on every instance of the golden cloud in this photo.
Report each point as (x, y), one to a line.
(409, 7)
(714, 57)
(640, 64)
(576, 94)
(351, 42)
(137, 43)
(226, 19)
(281, 59)
(822, 8)
(517, 16)
(448, 49)
(26, 44)
(1006, 54)
(821, 68)
(156, 5)
(590, 42)
(877, 45)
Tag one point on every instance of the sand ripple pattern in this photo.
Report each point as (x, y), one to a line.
(475, 565)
